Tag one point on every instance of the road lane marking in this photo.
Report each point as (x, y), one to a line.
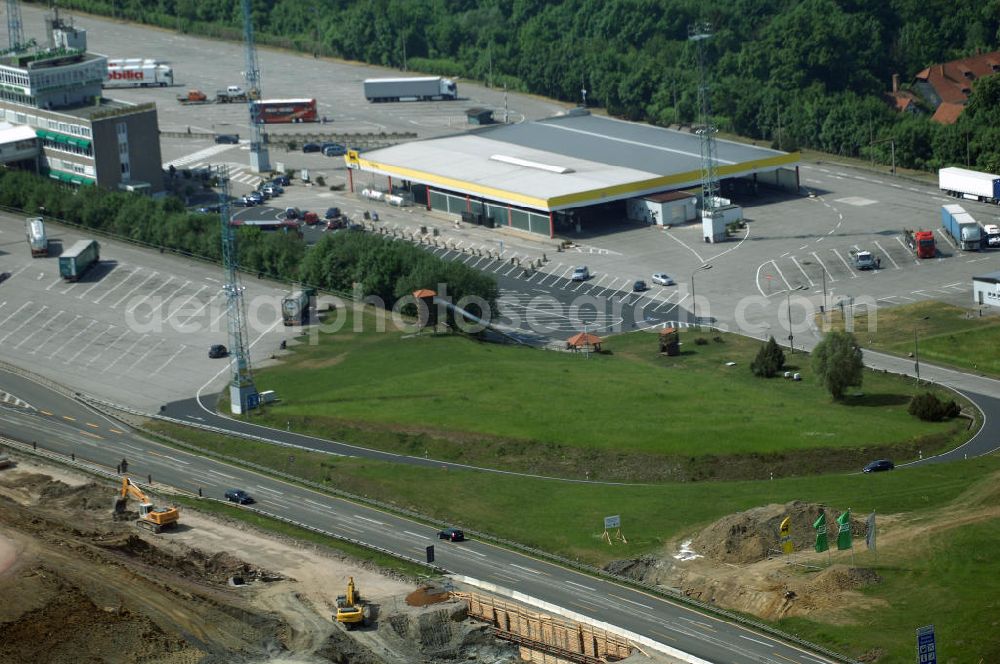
(215, 472)
(44, 412)
(92, 425)
(580, 585)
(364, 518)
(92, 435)
(115, 431)
(763, 643)
(645, 606)
(409, 532)
(275, 492)
(320, 505)
(526, 569)
(67, 417)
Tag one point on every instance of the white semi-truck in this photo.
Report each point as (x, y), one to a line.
(426, 88)
(136, 73)
(963, 183)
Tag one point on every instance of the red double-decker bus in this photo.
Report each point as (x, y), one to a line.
(277, 111)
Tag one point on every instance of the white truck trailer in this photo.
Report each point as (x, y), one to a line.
(963, 183)
(34, 228)
(426, 88)
(138, 74)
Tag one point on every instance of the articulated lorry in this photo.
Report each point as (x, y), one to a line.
(963, 183)
(78, 259)
(427, 88)
(961, 227)
(144, 74)
(37, 240)
(921, 243)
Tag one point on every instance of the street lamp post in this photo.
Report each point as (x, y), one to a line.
(788, 300)
(694, 300)
(916, 350)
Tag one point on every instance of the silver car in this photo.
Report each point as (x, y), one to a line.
(663, 279)
(580, 273)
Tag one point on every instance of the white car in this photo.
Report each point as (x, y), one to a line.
(663, 279)
(580, 273)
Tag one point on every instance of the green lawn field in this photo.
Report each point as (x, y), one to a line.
(630, 414)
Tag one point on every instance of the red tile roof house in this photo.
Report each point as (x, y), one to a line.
(946, 87)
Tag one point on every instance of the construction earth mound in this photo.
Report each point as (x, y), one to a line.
(736, 563)
(83, 586)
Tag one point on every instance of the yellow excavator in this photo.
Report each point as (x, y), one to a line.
(149, 516)
(350, 611)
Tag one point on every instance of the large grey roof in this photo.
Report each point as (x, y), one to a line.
(564, 162)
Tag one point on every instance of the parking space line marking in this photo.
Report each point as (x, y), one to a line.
(39, 329)
(151, 294)
(846, 264)
(18, 310)
(880, 248)
(26, 321)
(143, 356)
(109, 347)
(125, 296)
(71, 339)
(781, 274)
(88, 345)
(125, 354)
(823, 265)
(49, 287)
(802, 270)
(98, 282)
(128, 275)
(169, 360)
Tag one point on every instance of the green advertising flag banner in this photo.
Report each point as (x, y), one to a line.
(844, 533)
(821, 541)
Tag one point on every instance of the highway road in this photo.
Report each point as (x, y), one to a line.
(61, 424)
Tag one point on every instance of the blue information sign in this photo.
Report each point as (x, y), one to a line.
(926, 648)
(253, 400)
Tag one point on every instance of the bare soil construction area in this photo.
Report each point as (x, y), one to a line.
(79, 586)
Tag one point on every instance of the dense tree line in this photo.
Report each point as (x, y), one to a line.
(798, 73)
(380, 267)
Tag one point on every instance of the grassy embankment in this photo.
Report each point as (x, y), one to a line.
(632, 415)
(946, 577)
(945, 334)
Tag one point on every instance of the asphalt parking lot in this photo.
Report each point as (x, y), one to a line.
(135, 329)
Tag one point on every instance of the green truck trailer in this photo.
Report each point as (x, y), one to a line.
(78, 259)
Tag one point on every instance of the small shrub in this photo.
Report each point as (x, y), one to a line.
(717, 339)
(701, 341)
(769, 360)
(320, 181)
(929, 408)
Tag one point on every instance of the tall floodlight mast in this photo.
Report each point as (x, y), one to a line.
(699, 33)
(259, 160)
(242, 391)
(15, 31)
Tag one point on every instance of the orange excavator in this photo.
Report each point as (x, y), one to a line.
(149, 516)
